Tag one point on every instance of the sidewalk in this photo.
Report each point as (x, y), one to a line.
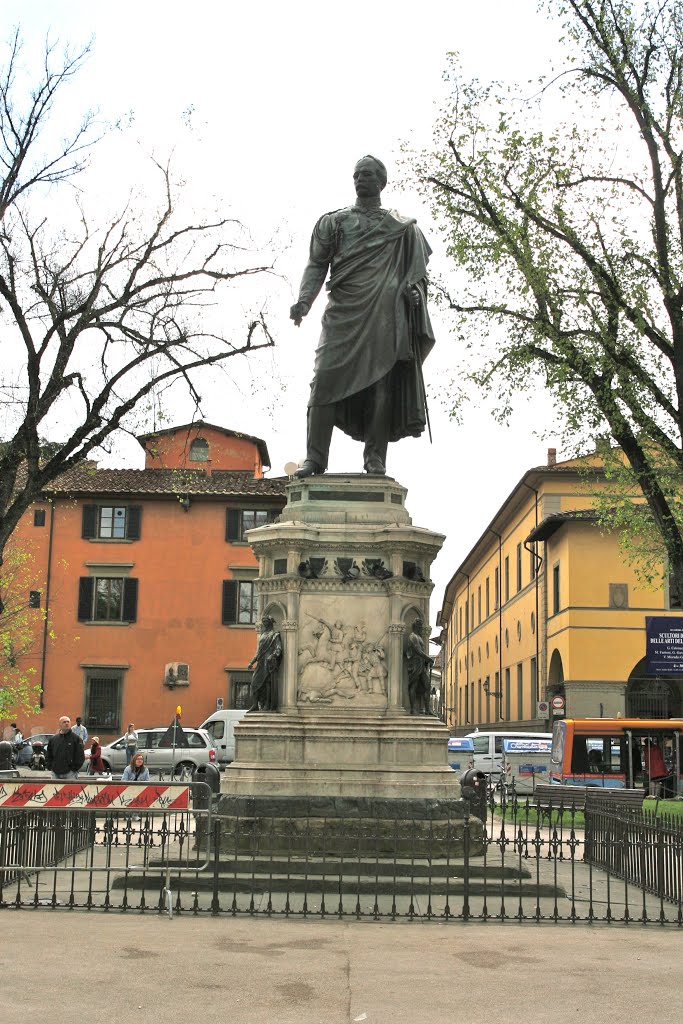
(136, 969)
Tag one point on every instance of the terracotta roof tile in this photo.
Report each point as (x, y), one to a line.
(87, 479)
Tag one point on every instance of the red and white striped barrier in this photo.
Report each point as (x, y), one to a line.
(94, 796)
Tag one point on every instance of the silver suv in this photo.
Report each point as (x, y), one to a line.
(199, 750)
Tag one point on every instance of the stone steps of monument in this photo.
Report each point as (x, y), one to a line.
(402, 879)
(383, 867)
(365, 885)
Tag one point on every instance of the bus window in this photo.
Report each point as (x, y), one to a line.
(601, 755)
(580, 764)
(480, 744)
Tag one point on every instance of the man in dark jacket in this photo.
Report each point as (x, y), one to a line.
(65, 754)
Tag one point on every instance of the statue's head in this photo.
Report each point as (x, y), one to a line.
(267, 623)
(369, 176)
(418, 626)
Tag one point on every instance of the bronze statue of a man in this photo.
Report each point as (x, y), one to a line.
(376, 330)
(419, 670)
(267, 659)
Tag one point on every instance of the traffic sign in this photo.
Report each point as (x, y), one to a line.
(543, 709)
(558, 703)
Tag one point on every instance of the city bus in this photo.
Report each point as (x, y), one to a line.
(619, 753)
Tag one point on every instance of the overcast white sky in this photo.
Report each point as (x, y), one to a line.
(284, 98)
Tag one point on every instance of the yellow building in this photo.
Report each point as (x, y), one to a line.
(545, 606)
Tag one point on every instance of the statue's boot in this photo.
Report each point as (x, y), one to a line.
(310, 468)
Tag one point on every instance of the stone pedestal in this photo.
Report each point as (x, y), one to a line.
(344, 573)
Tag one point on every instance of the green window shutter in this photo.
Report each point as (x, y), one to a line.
(229, 612)
(85, 595)
(233, 524)
(130, 600)
(134, 522)
(89, 525)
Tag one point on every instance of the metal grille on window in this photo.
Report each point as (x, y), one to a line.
(240, 685)
(103, 702)
(649, 699)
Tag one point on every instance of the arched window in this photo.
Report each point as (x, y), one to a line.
(199, 450)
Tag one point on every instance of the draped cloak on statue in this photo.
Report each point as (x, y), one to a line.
(369, 329)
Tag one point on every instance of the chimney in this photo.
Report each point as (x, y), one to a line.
(552, 456)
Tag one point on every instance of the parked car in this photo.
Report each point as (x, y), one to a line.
(40, 737)
(199, 751)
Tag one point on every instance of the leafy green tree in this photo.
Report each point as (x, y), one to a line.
(22, 633)
(563, 212)
(94, 317)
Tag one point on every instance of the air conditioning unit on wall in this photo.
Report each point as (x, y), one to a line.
(177, 673)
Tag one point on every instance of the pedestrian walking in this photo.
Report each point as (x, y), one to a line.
(65, 754)
(131, 741)
(96, 762)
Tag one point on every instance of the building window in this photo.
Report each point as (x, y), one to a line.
(519, 567)
(34, 599)
(103, 689)
(556, 589)
(520, 692)
(498, 698)
(507, 578)
(199, 450)
(533, 671)
(107, 599)
(239, 520)
(239, 602)
(506, 713)
(479, 701)
(467, 703)
(488, 596)
(472, 611)
(487, 691)
(467, 617)
(111, 522)
(496, 590)
(533, 561)
(479, 605)
(460, 632)
(240, 690)
(39, 517)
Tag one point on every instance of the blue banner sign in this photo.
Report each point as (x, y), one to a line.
(527, 746)
(664, 650)
(460, 743)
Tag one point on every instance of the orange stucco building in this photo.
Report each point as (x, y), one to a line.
(147, 581)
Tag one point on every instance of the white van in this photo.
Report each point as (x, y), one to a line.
(221, 728)
(487, 753)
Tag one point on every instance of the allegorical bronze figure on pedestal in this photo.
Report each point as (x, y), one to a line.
(376, 330)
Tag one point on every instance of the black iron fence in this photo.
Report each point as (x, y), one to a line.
(524, 863)
(643, 849)
(32, 839)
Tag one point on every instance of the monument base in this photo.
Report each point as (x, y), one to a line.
(337, 754)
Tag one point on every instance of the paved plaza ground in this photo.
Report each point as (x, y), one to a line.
(64, 966)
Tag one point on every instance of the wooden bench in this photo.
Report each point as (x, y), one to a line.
(575, 798)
